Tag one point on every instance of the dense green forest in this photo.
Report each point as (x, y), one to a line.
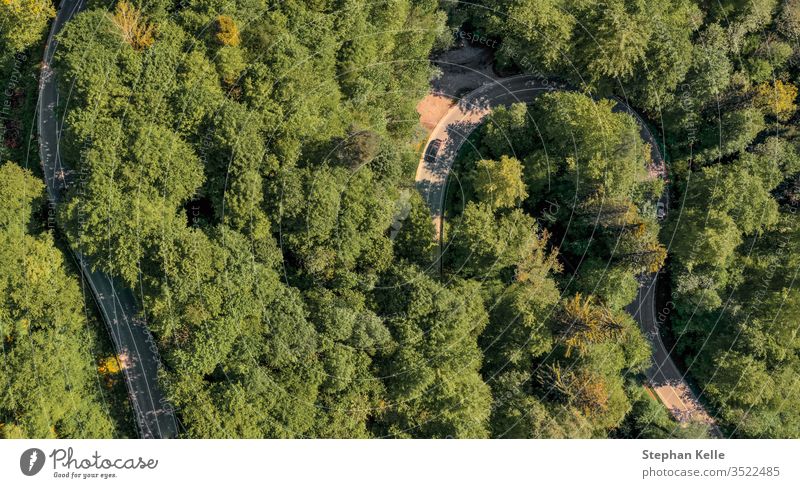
(52, 380)
(579, 265)
(59, 377)
(22, 27)
(720, 80)
(248, 166)
(248, 162)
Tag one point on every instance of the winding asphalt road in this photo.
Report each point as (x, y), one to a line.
(437, 159)
(132, 340)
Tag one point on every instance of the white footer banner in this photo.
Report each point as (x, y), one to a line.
(401, 463)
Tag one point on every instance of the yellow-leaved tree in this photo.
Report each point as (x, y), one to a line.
(133, 27)
(109, 366)
(227, 31)
(777, 99)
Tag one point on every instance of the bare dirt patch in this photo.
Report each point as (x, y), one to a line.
(432, 108)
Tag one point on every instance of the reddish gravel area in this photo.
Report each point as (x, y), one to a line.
(432, 108)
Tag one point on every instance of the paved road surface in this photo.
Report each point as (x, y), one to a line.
(132, 340)
(455, 127)
(431, 179)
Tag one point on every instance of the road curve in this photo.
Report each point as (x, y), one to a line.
(431, 179)
(455, 127)
(132, 340)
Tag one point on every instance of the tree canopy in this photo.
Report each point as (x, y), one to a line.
(49, 382)
(248, 167)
